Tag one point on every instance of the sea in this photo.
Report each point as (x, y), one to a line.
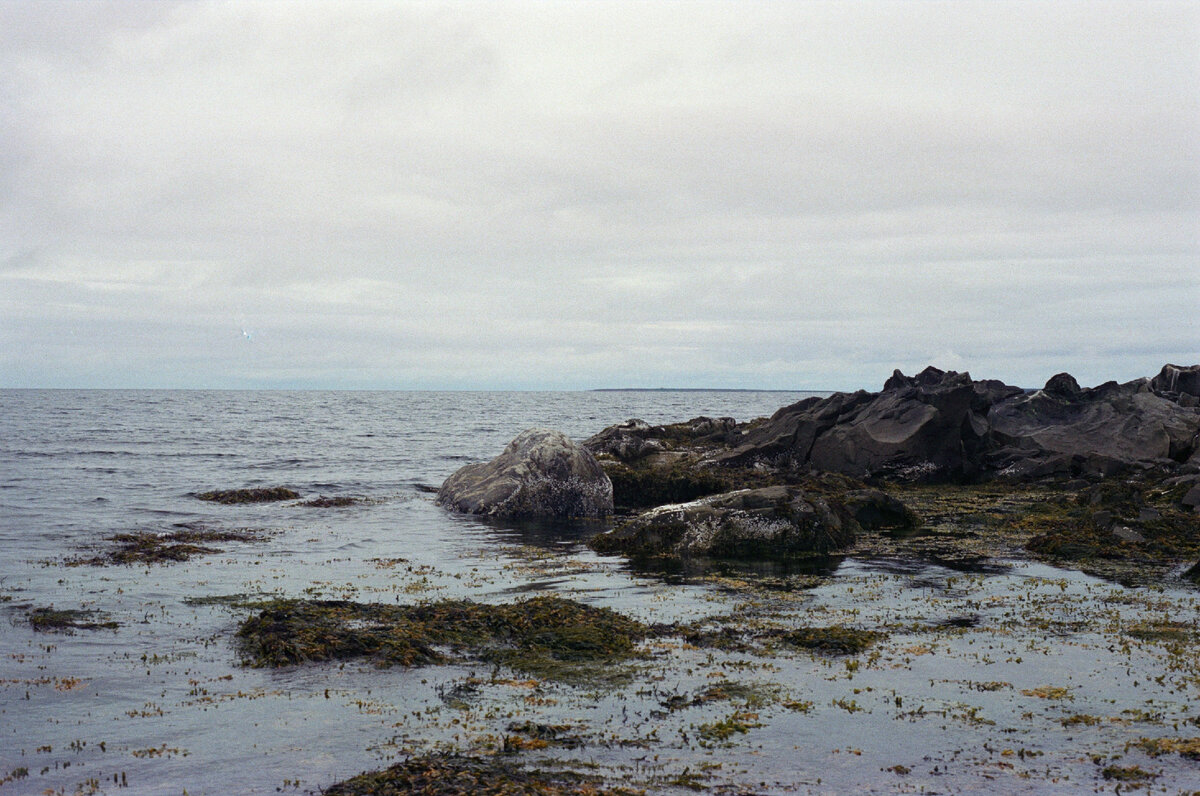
(158, 700)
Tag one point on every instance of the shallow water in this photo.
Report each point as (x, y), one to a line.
(974, 689)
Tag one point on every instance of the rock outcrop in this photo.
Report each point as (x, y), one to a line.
(541, 473)
(776, 522)
(1103, 430)
(928, 427)
(944, 426)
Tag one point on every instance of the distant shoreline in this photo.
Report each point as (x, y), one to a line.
(690, 389)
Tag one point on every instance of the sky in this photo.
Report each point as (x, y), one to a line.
(568, 195)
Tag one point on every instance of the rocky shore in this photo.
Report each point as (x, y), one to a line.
(1104, 478)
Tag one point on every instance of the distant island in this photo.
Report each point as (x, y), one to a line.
(691, 389)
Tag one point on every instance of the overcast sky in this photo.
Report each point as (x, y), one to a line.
(572, 195)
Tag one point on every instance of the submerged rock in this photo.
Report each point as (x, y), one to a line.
(541, 473)
(776, 522)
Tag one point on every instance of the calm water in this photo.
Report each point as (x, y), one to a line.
(162, 704)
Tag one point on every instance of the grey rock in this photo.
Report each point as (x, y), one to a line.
(541, 473)
(635, 439)
(771, 523)
(626, 441)
(1127, 534)
(1191, 498)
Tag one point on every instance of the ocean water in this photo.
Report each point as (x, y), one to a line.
(162, 705)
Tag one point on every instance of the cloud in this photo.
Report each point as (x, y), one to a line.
(581, 194)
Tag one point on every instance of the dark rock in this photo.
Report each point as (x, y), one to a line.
(541, 473)
(1062, 385)
(771, 523)
(1103, 430)
(942, 426)
(928, 427)
(1175, 380)
(657, 483)
(873, 509)
(1193, 573)
(1191, 498)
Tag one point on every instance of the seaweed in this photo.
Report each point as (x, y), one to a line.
(322, 502)
(1156, 747)
(259, 495)
(832, 640)
(146, 547)
(543, 634)
(450, 774)
(1113, 520)
(50, 619)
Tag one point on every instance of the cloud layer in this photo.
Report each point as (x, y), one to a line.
(542, 195)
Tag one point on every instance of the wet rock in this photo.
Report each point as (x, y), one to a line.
(874, 509)
(541, 473)
(656, 483)
(776, 522)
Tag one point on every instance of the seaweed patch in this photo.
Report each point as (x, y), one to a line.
(451, 774)
(541, 635)
(54, 620)
(147, 547)
(260, 495)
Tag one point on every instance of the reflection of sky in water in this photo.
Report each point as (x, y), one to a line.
(164, 701)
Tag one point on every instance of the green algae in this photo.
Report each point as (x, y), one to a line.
(454, 774)
(259, 495)
(722, 730)
(547, 635)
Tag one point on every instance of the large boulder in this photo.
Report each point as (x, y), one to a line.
(541, 473)
(775, 522)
